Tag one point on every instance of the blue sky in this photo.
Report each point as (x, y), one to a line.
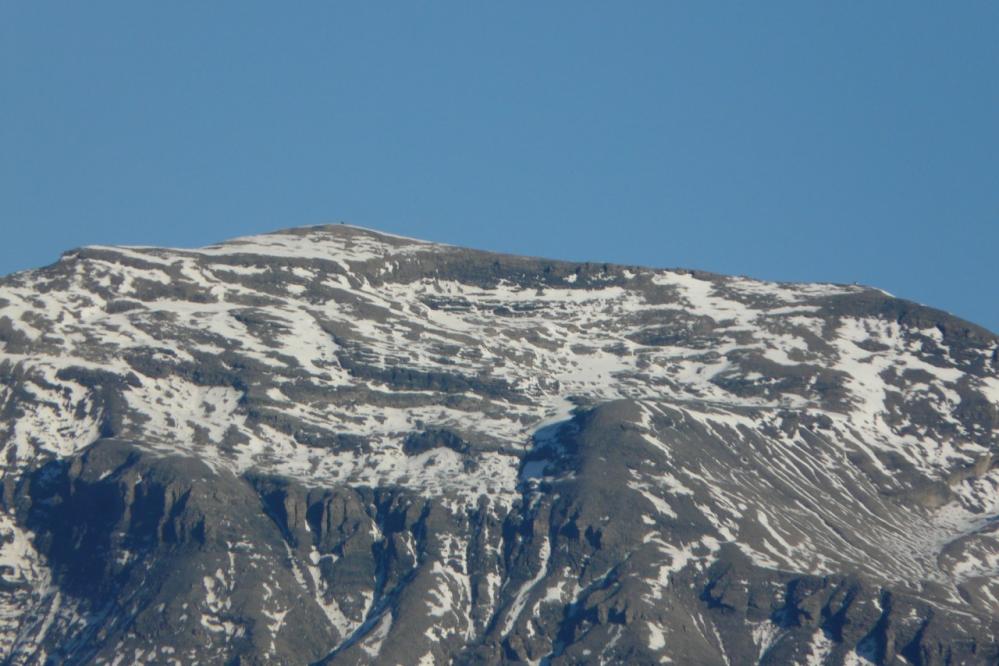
(847, 142)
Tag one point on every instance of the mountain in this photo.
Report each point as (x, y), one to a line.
(329, 445)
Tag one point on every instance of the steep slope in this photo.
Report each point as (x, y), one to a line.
(329, 445)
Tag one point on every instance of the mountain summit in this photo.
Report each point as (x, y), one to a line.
(330, 445)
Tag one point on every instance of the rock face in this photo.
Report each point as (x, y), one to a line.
(333, 446)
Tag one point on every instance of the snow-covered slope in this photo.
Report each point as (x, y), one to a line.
(449, 454)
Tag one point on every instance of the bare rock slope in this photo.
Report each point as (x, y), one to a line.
(330, 445)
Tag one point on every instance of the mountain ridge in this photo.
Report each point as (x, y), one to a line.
(332, 226)
(419, 448)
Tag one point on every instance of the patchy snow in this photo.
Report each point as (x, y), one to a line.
(259, 353)
(517, 606)
(372, 644)
(819, 649)
(764, 635)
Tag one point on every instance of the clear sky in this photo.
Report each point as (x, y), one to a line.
(831, 141)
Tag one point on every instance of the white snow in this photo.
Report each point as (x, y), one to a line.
(657, 640)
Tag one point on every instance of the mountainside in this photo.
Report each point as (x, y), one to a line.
(329, 445)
